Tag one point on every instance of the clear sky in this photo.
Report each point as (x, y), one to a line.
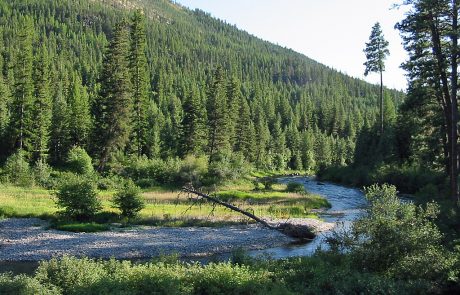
(332, 32)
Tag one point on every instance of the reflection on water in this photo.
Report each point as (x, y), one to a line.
(346, 206)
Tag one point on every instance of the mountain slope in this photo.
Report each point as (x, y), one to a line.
(184, 48)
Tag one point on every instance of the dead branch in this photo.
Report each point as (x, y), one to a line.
(301, 232)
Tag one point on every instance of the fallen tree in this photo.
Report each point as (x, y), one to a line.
(297, 231)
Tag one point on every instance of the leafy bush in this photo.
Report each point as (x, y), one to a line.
(228, 167)
(295, 187)
(129, 200)
(154, 170)
(268, 182)
(193, 169)
(397, 238)
(17, 170)
(42, 174)
(78, 196)
(24, 285)
(324, 273)
(79, 162)
(115, 277)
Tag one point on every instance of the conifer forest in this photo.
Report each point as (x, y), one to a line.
(134, 121)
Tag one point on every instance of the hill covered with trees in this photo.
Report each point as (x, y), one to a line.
(153, 79)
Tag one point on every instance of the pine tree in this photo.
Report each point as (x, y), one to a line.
(171, 133)
(217, 117)
(193, 126)
(234, 98)
(114, 104)
(278, 144)
(244, 131)
(42, 108)
(261, 140)
(376, 52)
(22, 104)
(155, 124)
(60, 133)
(140, 83)
(4, 103)
(80, 125)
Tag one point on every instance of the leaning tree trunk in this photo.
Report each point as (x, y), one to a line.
(300, 232)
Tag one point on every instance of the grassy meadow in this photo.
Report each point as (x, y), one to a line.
(169, 206)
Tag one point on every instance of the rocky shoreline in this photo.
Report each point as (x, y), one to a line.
(27, 239)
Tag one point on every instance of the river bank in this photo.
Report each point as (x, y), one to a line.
(28, 239)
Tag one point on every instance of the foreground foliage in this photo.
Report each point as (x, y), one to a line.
(395, 248)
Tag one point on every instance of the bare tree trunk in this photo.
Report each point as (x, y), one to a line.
(229, 206)
(381, 102)
(301, 232)
(454, 81)
(450, 101)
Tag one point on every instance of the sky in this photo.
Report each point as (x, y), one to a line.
(333, 32)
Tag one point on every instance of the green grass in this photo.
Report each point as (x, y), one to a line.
(169, 208)
(77, 227)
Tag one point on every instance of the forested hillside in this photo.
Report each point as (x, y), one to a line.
(194, 86)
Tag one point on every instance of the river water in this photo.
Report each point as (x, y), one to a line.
(346, 205)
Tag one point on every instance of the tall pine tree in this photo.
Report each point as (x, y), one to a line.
(376, 52)
(22, 105)
(80, 125)
(218, 141)
(114, 103)
(42, 108)
(140, 83)
(193, 135)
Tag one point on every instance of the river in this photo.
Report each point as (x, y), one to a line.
(346, 205)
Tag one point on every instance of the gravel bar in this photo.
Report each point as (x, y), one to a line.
(27, 239)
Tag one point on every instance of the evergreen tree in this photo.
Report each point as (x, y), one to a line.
(234, 98)
(42, 107)
(217, 116)
(22, 104)
(244, 131)
(140, 83)
(376, 52)
(114, 104)
(4, 104)
(193, 124)
(60, 133)
(278, 144)
(80, 124)
(430, 35)
(155, 123)
(171, 133)
(261, 141)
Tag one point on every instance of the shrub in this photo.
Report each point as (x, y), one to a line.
(79, 162)
(397, 238)
(42, 174)
(24, 285)
(17, 170)
(129, 200)
(155, 170)
(228, 167)
(295, 187)
(268, 182)
(193, 169)
(78, 196)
